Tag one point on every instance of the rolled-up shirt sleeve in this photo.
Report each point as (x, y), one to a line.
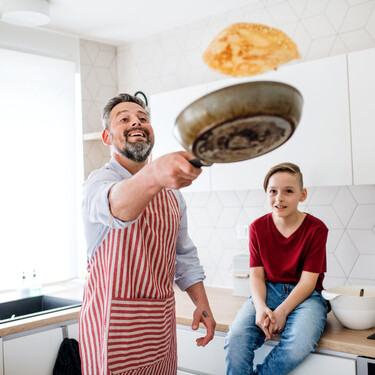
(96, 212)
(188, 268)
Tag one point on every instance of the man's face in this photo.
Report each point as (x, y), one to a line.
(130, 131)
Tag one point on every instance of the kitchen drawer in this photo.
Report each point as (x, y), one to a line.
(73, 331)
(32, 354)
(209, 360)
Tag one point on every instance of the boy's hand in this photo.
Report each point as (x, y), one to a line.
(264, 318)
(279, 324)
(267, 326)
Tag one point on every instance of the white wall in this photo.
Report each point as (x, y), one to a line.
(172, 60)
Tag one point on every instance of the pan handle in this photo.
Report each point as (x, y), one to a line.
(198, 163)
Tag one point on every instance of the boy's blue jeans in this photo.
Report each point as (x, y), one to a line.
(302, 331)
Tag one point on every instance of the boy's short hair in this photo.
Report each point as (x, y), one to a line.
(284, 167)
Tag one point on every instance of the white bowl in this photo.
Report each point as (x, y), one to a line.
(350, 309)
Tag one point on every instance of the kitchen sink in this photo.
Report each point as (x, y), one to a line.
(32, 306)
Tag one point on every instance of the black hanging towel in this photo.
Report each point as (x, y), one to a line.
(68, 361)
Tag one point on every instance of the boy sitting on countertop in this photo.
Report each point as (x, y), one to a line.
(287, 265)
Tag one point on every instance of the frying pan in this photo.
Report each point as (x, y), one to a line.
(239, 122)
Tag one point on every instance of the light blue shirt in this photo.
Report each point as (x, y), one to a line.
(98, 221)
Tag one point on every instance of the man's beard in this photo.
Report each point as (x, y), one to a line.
(138, 151)
(135, 151)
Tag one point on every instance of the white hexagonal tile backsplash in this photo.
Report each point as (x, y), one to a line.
(351, 238)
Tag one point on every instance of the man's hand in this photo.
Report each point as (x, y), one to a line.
(174, 170)
(202, 316)
(129, 197)
(202, 313)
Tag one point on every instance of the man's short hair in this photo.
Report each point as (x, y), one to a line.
(120, 98)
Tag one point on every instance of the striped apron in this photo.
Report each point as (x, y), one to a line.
(127, 320)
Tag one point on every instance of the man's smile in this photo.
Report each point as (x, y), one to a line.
(136, 133)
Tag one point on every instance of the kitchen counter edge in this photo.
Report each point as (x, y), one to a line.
(224, 306)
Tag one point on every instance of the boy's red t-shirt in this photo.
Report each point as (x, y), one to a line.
(284, 259)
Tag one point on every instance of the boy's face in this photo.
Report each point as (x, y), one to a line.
(284, 192)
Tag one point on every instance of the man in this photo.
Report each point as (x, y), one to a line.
(136, 231)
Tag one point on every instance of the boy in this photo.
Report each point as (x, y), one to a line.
(287, 262)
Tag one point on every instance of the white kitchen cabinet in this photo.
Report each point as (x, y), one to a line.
(326, 364)
(1, 357)
(320, 145)
(165, 108)
(192, 359)
(73, 332)
(35, 351)
(362, 93)
(211, 359)
(319, 362)
(32, 354)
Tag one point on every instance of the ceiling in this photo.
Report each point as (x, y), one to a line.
(120, 21)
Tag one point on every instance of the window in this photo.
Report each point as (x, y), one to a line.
(41, 164)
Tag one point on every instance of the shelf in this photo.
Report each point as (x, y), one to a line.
(94, 136)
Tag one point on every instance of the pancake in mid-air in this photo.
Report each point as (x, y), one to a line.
(245, 49)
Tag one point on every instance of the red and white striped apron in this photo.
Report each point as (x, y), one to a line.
(127, 320)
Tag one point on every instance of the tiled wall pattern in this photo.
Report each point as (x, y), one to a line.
(99, 83)
(348, 212)
(172, 60)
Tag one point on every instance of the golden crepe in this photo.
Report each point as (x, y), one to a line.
(244, 49)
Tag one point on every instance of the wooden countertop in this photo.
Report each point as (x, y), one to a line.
(39, 321)
(224, 306)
